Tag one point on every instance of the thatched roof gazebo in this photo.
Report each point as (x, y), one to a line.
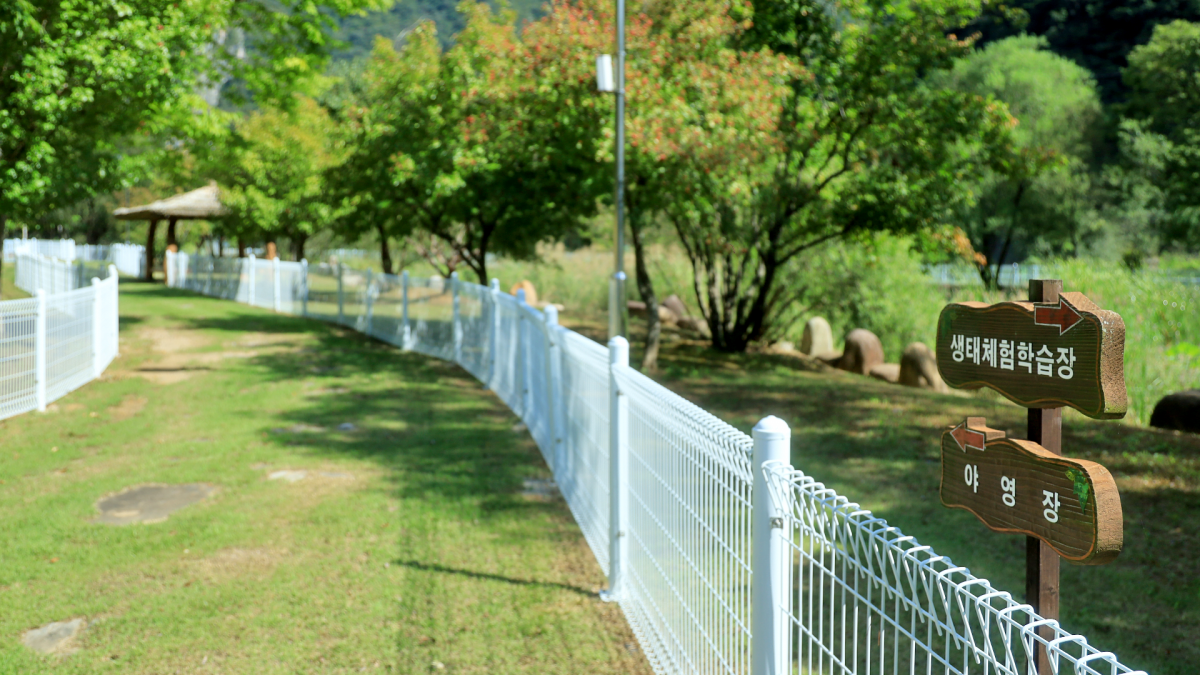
(201, 204)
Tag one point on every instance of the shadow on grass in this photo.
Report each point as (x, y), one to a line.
(442, 569)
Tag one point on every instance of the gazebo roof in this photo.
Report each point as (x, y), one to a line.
(200, 204)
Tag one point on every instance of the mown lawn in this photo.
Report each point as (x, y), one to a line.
(408, 546)
(878, 444)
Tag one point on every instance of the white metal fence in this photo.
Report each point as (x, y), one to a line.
(724, 558)
(56, 341)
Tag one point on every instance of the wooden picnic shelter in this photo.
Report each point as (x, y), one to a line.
(200, 204)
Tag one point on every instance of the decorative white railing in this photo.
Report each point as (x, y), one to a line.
(723, 557)
(54, 342)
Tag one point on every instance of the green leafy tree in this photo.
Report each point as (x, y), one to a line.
(272, 174)
(858, 142)
(1042, 199)
(1161, 136)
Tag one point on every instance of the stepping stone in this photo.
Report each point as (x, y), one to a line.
(346, 426)
(289, 475)
(335, 474)
(55, 638)
(149, 503)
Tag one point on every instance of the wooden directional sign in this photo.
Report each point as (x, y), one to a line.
(1066, 353)
(1019, 486)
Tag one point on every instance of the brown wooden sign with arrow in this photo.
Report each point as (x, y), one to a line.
(1040, 355)
(1021, 487)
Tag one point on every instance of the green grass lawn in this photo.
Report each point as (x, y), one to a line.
(879, 444)
(408, 547)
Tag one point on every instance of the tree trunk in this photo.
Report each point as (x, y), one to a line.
(298, 246)
(241, 248)
(385, 254)
(646, 289)
(1012, 226)
(151, 231)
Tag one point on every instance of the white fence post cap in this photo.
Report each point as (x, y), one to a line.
(771, 427)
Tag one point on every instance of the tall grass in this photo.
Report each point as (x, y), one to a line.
(880, 285)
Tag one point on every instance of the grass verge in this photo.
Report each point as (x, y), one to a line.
(407, 547)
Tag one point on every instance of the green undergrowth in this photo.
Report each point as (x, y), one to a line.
(408, 547)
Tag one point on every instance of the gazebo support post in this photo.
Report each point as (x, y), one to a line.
(152, 230)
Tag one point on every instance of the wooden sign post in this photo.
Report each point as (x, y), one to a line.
(1058, 349)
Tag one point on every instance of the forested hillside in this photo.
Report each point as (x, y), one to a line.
(360, 31)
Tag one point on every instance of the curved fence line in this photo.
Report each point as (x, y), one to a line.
(57, 341)
(723, 557)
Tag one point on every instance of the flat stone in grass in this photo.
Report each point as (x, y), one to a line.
(149, 503)
(55, 638)
(290, 475)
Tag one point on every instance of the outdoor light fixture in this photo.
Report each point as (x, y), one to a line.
(604, 73)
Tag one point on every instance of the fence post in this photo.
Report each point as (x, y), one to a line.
(341, 298)
(304, 287)
(275, 272)
(521, 385)
(618, 476)
(369, 301)
(97, 312)
(770, 561)
(554, 387)
(404, 332)
(253, 283)
(457, 318)
(39, 348)
(493, 331)
(115, 324)
(212, 263)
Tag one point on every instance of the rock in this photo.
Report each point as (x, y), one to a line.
(918, 368)
(1180, 411)
(347, 426)
(783, 347)
(675, 304)
(694, 324)
(863, 352)
(830, 358)
(289, 475)
(54, 638)
(888, 372)
(531, 296)
(149, 503)
(818, 337)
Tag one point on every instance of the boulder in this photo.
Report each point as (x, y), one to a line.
(830, 358)
(888, 372)
(918, 368)
(694, 324)
(782, 347)
(863, 352)
(531, 296)
(818, 337)
(675, 304)
(1180, 411)
(638, 308)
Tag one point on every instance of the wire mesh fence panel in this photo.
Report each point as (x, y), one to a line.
(129, 259)
(291, 287)
(430, 317)
(475, 308)
(69, 341)
(689, 552)
(583, 473)
(866, 599)
(507, 370)
(34, 272)
(18, 377)
(535, 362)
(387, 309)
(355, 285)
(323, 292)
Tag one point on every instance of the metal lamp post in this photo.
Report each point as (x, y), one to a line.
(605, 82)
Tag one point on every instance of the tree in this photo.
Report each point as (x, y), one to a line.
(859, 142)
(1042, 199)
(272, 172)
(1162, 133)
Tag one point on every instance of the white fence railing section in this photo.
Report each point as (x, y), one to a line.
(129, 258)
(724, 558)
(56, 341)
